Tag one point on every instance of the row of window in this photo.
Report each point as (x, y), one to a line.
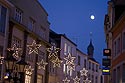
(31, 23)
(94, 79)
(119, 44)
(117, 76)
(93, 67)
(18, 17)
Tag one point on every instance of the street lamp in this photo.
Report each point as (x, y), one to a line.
(10, 62)
(15, 69)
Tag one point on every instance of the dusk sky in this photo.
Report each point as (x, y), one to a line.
(72, 17)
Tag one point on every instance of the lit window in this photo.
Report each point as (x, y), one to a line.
(3, 19)
(39, 79)
(18, 15)
(65, 48)
(27, 78)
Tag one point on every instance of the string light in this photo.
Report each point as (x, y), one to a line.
(56, 62)
(69, 59)
(66, 80)
(53, 51)
(15, 50)
(87, 80)
(83, 72)
(42, 64)
(34, 47)
(1, 59)
(29, 70)
(76, 79)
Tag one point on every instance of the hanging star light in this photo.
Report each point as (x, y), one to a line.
(69, 59)
(1, 59)
(42, 64)
(66, 80)
(76, 79)
(15, 50)
(34, 47)
(71, 66)
(29, 70)
(83, 72)
(87, 80)
(53, 51)
(56, 62)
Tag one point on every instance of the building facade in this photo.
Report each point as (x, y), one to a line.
(115, 39)
(27, 21)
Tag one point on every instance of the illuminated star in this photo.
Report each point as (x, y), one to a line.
(34, 47)
(87, 80)
(15, 50)
(66, 80)
(29, 70)
(1, 59)
(71, 66)
(57, 62)
(83, 72)
(76, 79)
(69, 59)
(53, 51)
(41, 64)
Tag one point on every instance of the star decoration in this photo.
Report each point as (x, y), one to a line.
(29, 70)
(71, 66)
(66, 80)
(56, 62)
(15, 50)
(69, 59)
(41, 64)
(87, 80)
(53, 51)
(34, 47)
(83, 72)
(76, 79)
(1, 59)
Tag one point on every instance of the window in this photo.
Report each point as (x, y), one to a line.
(18, 15)
(31, 24)
(114, 76)
(118, 46)
(27, 78)
(118, 75)
(3, 19)
(96, 79)
(115, 48)
(123, 73)
(85, 63)
(124, 40)
(92, 78)
(69, 49)
(89, 65)
(65, 48)
(78, 74)
(39, 79)
(93, 66)
(42, 32)
(78, 60)
(17, 42)
(96, 68)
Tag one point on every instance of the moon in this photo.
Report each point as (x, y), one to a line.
(92, 17)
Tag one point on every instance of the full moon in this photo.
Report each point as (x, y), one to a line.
(92, 17)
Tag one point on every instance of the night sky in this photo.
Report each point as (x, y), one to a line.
(72, 17)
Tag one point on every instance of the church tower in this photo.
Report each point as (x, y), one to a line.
(90, 48)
